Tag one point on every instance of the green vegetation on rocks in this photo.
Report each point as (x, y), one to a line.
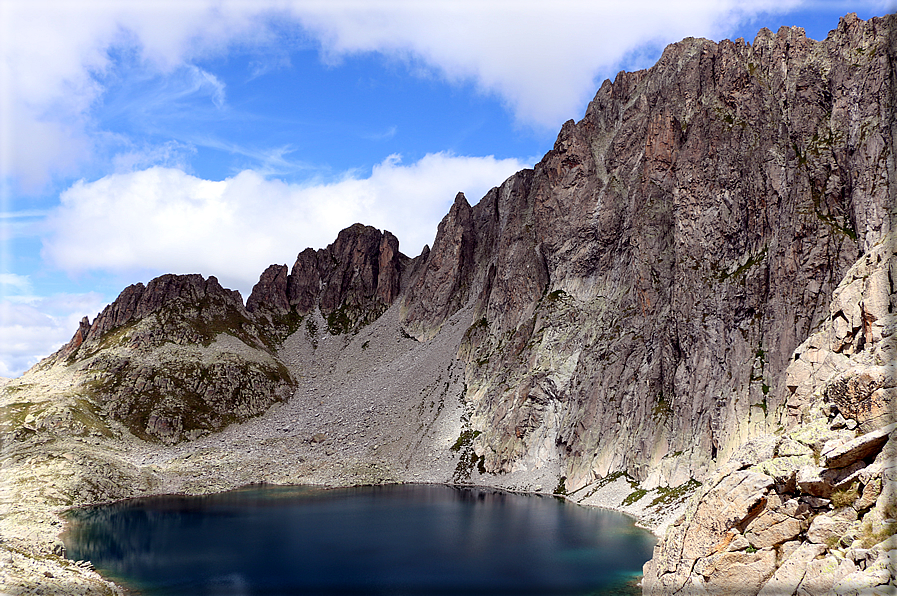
(561, 488)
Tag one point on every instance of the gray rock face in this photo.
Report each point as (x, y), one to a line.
(177, 358)
(828, 488)
(640, 292)
(352, 281)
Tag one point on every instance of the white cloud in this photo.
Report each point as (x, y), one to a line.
(11, 283)
(32, 326)
(55, 53)
(32, 329)
(163, 219)
(540, 59)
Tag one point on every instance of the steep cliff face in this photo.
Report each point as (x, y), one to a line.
(639, 293)
(810, 509)
(352, 281)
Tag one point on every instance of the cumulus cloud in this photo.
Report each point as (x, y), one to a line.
(56, 53)
(540, 60)
(32, 327)
(163, 219)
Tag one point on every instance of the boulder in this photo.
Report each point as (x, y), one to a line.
(738, 572)
(790, 573)
(732, 503)
(822, 482)
(861, 581)
(828, 529)
(739, 542)
(821, 575)
(783, 469)
(858, 449)
(879, 409)
(871, 492)
(771, 528)
(788, 447)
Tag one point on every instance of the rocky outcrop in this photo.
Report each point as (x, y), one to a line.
(77, 339)
(352, 281)
(443, 285)
(810, 510)
(638, 295)
(200, 307)
(177, 358)
(270, 293)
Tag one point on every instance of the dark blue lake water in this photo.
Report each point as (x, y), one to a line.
(388, 540)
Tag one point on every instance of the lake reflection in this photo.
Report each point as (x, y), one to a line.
(387, 540)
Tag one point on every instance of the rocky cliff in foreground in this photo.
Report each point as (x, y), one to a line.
(653, 310)
(810, 509)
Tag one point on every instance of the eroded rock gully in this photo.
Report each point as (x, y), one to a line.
(692, 292)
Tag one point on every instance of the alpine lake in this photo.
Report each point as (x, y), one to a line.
(394, 540)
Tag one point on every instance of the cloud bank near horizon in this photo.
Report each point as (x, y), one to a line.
(541, 63)
(33, 327)
(165, 220)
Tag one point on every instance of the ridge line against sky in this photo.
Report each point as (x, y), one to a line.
(220, 136)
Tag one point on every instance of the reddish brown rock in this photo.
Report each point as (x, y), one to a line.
(444, 284)
(77, 339)
(352, 281)
(270, 293)
(648, 281)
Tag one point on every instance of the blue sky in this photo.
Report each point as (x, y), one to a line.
(217, 137)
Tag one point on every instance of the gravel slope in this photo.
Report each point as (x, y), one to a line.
(373, 407)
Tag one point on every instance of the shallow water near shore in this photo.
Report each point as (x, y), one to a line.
(403, 540)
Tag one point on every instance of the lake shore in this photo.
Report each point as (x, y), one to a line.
(399, 418)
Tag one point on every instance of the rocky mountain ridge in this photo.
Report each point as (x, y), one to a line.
(612, 325)
(638, 295)
(139, 361)
(352, 281)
